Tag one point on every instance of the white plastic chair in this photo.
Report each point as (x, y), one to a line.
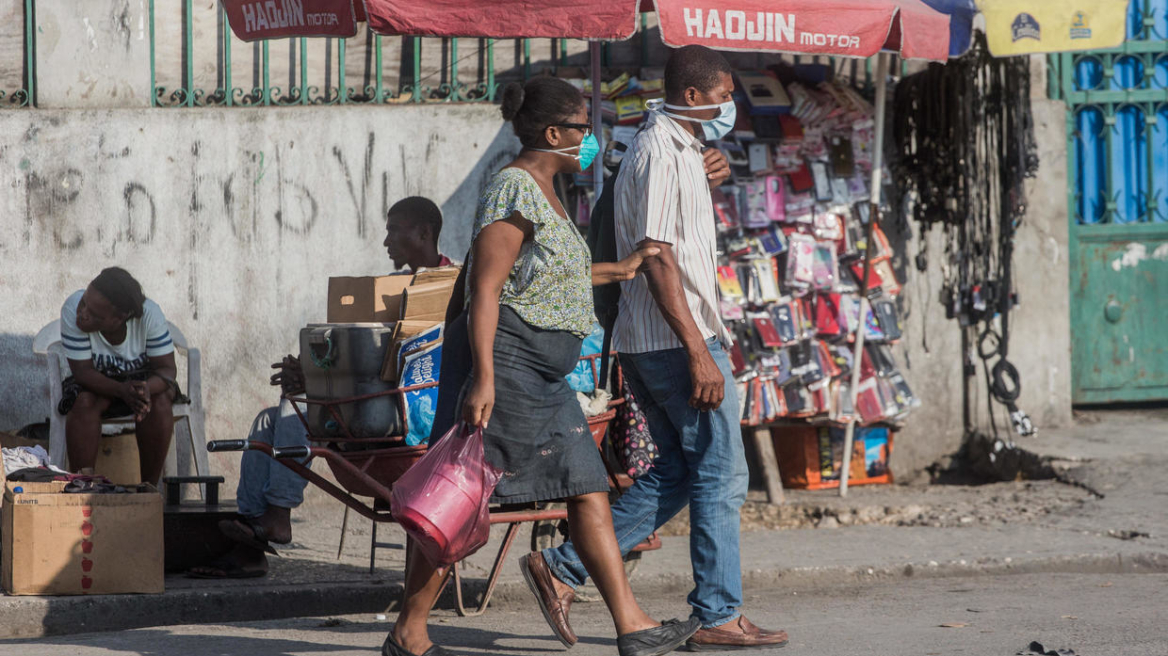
(189, 434)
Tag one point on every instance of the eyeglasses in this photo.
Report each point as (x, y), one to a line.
(583, 127)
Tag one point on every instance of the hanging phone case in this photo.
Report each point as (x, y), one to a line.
(776, 207)
(773, 242)
(800, 261)
(843, 157)
(756, 205)
(820, 181)
(768, 281)
(783, 315)
(825, 268)
(827, 315)
(868, 403)
(725, 207)
(888, 318)
(767, 334)
(728, 282)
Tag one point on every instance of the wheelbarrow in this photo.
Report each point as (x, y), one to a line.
(371, 473)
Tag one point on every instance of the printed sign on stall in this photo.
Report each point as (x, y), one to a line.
(1019, 28)
(851, 28)
(255, 20)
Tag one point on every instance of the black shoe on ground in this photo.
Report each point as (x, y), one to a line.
(659, 639)
(391, 648)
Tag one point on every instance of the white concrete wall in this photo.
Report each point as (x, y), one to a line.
(93, 54)
(233, 220)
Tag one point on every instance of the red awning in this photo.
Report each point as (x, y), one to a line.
(849, 28)
(573, 19)
(255, 20)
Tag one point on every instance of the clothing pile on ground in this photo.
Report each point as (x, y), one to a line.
(26, 457)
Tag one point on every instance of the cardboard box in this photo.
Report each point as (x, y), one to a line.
(442, 274)
(366, 300)
(117, 459)
(427, 302)
(764, 93)
(67, 544)
(379, 299)
(403, 332)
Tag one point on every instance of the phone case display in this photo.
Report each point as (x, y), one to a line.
(791, 223)
(790, 271)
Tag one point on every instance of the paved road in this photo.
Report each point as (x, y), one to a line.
(1095, 615)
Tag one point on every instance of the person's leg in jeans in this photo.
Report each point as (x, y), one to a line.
(268, 491)
(255, 467)
(700, 453)
(718, 483)
(655, 497)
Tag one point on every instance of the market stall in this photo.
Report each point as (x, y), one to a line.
(805, 268)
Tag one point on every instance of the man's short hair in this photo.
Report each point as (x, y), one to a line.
(694, 66)
(420, 211)
(121, 290)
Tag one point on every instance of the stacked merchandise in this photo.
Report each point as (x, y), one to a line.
(623, 109)
(792, 229)
(792, 240)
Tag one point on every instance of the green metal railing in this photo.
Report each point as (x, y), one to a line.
(452, 84)
(26, 95)
(368, 68)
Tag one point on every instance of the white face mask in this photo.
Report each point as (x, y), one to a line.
(714, 128)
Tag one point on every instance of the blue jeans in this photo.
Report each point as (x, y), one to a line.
(264, 482)
(701, 462)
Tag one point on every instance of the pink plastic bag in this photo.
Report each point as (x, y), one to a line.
(441, 501)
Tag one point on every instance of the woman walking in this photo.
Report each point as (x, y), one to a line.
(529, 306)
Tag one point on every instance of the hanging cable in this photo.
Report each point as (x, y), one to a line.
(966, 139)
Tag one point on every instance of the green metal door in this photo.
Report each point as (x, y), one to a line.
(1117, 125)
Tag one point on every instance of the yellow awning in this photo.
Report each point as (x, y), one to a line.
(1021, 27)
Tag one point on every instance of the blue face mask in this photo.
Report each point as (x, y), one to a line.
(715, 128)
(586, 151)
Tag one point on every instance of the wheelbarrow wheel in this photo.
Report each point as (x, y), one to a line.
(546, 534)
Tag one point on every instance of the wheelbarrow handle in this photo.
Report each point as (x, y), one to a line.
(227, 445)
(291, 452)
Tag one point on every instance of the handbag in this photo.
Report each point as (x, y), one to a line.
(441, 501)
(632, 438)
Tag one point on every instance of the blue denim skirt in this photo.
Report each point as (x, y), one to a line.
(538, 435)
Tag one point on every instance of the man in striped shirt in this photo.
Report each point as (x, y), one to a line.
(121, 356)
(672, 346)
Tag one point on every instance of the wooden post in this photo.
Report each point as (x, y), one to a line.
(770, 464)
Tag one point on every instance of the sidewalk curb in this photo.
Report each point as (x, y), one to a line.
(34, 617)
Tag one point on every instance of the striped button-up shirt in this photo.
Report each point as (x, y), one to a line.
(662, 194)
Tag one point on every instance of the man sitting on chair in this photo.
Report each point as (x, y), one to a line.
(268, 491)
(122, 362)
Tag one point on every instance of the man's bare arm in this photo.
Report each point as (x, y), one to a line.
(664, 278)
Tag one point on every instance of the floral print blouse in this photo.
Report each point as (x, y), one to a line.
(550, 286)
